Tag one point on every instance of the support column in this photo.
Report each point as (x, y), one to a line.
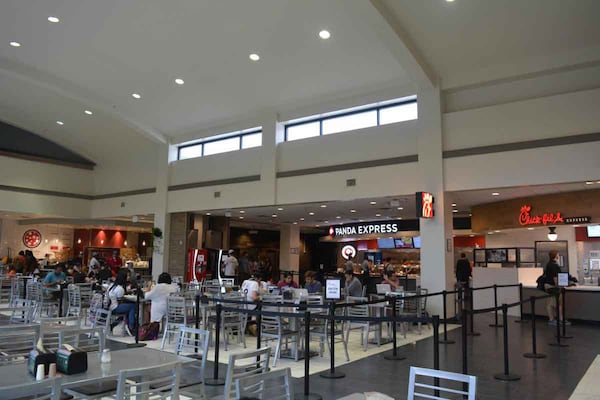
(436, 233)
(289, 248)
(160, 252)
(272, 133)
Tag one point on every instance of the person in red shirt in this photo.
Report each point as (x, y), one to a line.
(287, 282)
(115, 262)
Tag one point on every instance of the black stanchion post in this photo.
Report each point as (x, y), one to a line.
(463, 329)
(332, 374)
(445, 339)
(306, 395)
(137, 315)
(259, 325)
(197, 324)
(521, 320)
(557, 320)
(472, 319)
(534, 353)
(506, 376)
(564, 315)
(496, 324)
(215, 380)
(394, 355)
(436, 349)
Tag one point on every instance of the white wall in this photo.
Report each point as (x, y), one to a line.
(138, 204)
(496, 276)
(52, 235)
(547, 117)
(218, 166)
(381, 142)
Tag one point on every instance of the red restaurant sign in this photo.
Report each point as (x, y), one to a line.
(424, 202)
(525, 218)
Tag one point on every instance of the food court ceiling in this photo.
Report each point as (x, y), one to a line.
(99, 53)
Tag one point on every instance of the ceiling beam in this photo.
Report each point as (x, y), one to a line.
(381, 20)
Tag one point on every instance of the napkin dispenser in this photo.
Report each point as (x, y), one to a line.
(70, 360)
(37, 357)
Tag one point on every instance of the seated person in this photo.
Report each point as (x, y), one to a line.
(54, 279)
(104, 274)
(253, 288)
(392, 280)
(92, 276)
(287, 282)
(159, 295)
(311, 283)
(353, 287)
(117, 305)
(11, 270)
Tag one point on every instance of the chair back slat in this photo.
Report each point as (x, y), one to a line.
(48, 389)
(161, 380)
(245, 364)
(87, 339)
(427, 391)
(273, 385)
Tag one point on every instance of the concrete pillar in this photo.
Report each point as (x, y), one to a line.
(272, 133)
(289, 248)
(436, 233)
(160, 252)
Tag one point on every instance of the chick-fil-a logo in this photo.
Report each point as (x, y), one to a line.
(525, 218)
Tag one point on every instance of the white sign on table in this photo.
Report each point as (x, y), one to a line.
(333, 289)
(563, 279)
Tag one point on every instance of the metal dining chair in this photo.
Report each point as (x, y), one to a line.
(245, 364)
(358, 310)
(16, 341)
(194, 343)
(176, 317)
(272, 385)
(427, 390)
(274, 328)
(87, 339)
(74, 301)
(48, 389)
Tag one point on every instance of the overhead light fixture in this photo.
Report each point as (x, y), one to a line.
(208, 214)
(295, 223)
(454, 211)
(378, 215)
(78, 241)
(495, 194)
(471, 235)
(241, 217)
(589, 182)
(125, 243)
(274, 215)
(311, 213)
(317, 226)
(449, 1)
(302, 219)
(279, 209)
(102, 241)
(53, 19)
(324, 34)
(353, 211)
(530, 229)
(179, 81)
(453, 204)
(60, 123)
(242, 212)
(88, 112)
(490, 233)
(323, 205)
(338, 217)
(372, 203)
(143, 242)
(552, 235)
(326, 221)
(497, 231)
(15, 44)
(136, 95)
(400, 208)
(254, 57)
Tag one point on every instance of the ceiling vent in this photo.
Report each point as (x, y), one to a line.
(217, 195)
(351, 182)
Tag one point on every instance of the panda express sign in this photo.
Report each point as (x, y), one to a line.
(367, 228)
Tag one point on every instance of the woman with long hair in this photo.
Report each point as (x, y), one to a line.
(116, 294)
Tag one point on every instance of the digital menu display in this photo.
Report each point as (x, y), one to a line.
(386, 243)
(417, 242)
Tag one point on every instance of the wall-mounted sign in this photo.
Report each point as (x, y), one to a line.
(348, 252)
(424, 204)
(32, 238)
(365, 228)
(525, 218)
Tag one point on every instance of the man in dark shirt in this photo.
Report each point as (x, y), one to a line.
(463, 270)
(551, 285)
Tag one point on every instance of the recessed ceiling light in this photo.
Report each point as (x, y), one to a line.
(454, 211)
(60, 122)
(302, 219)
(274, 215)
(136, 95)
(179, 81)
(53, 19)
(311, 213)
(530, 229)
(207, 213)
(450, 1)
(338, 217)
(88, 112)
(490, 233)
(352, 211)
(295, 223)
(400, 208)
(317, 226)
(326, 221)
(453, 204)
(372, 203)
(495, 194)
(323, 205)
(15, 44)
(279, 209)
(378, 215)
(254, 57)
(241, 217)
(324, 34)
(242, 212)
(360, 220)
(497, 231)
(589, 182)
(399, 217)
(471, 235)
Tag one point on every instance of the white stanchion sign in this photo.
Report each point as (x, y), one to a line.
(333, 289)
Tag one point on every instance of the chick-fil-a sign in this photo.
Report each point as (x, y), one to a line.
(525, 217)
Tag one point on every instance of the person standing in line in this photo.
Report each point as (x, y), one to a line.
(115, 262)
(463, 274)
(231, 265)
(551, 286)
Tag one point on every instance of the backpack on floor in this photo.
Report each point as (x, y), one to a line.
(149, 331)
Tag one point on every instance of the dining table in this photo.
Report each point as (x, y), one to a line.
(97, 371)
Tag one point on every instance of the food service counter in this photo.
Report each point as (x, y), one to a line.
(581, 302)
